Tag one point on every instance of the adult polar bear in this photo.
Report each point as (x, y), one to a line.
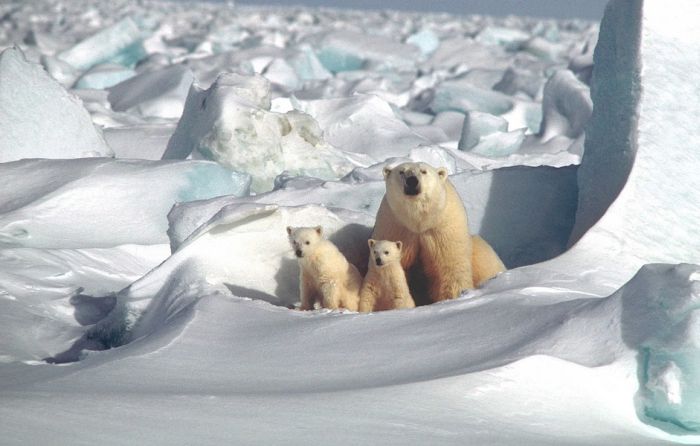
(422, 209)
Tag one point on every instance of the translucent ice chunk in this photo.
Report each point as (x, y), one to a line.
(477, 125)
(159, 93)
(460, 96)
(120, 43)
(39, 119)
(518, 80)
(104, 76)
(508, 38)
(426, 40)
(308, 66)
(347, 50)
(500, 143)
(338, 59)
(661, 319)
(281, 73)
(566, 106)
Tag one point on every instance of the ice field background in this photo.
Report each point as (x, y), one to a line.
(152, 154)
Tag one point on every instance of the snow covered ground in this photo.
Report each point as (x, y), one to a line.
(145, 274)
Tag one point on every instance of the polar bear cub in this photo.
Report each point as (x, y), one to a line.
(385, 286)
(325, 275)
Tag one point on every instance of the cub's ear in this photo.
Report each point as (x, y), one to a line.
(387, 171)
(289, 230)
(399, 245)
(319, 230)
(371, 243)
(442, 173)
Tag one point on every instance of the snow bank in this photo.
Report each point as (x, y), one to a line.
(39, 118)
(52, 290)
(251, 233)
(101, 202)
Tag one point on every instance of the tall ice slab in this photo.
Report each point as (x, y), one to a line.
(642, 153)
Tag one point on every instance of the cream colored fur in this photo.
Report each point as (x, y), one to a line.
(385, 287)
(432, 224)
(325, 275)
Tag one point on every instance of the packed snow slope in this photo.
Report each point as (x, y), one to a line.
(145, 298)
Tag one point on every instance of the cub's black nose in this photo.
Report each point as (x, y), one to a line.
(298, 252)
(379, 261)
(412, 182)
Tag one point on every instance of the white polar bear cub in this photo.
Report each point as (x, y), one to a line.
(385, 286)
(325, 275)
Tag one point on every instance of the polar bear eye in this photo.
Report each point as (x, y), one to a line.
(307, 242)
(423, 171)
(386, 253)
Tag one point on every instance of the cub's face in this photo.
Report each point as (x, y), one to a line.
(303, 240)
(412, 180)
(384, 252)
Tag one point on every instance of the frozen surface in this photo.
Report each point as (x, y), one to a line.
(160, 93)
(39, 118)
(146, 301)
(104, 76)
(120, 43)
(101, 202)
(231, 123)
(651, 141)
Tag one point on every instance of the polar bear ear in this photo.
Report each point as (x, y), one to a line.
(289, 230)
(371, 243)
(442, 173)
(387, 171)
(399, 245)
(319, 230)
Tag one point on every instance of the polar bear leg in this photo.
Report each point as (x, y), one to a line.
(350, 303)
(307, 293)
(330, 295)
(446, 260)
(485, 262)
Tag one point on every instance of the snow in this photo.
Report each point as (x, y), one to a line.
(91, 203)
(119, 43)
(159, 93)
(425, 40)
(104, 76)
(39, 118)
(231, 123)
(151, 295)
(639, 134)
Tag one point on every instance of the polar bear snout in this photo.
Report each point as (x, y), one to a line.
(411, 184)
(378, 261)
(299, 253)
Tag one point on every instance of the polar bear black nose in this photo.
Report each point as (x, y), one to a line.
(379, 261)
(298, 252)
(412, 182)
